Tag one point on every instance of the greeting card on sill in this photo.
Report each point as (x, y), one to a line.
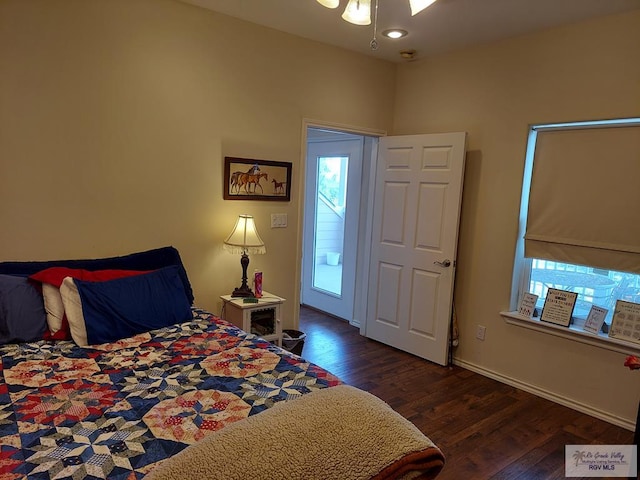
(626, 321)
(595, 319)
(558, 307)
(528, 304)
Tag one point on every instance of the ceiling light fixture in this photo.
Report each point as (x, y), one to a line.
(358, 12)
(418, 5)
(329, 3)
(395, 33)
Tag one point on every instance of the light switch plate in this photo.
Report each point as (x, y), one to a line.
(278, 220)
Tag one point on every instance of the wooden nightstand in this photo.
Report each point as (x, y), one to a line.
(263, 318)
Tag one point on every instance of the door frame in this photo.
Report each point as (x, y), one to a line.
(366, 217)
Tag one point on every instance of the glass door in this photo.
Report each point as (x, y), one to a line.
(332, 199)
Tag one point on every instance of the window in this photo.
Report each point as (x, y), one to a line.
(332, 181)
(580, 214)
(594, 286)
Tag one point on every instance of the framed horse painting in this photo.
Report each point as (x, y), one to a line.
(248, 179)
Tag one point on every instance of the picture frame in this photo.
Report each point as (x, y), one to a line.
(528, 305)
(595, 319)
(252, 179)
(626, 322)
(558, 307)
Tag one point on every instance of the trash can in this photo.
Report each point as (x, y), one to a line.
(293, 340)
(333, 258)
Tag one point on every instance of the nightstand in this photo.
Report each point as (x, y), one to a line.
(263, 318)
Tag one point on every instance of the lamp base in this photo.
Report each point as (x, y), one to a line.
(243, 291)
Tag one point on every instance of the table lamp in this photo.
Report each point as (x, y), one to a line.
(244, 239)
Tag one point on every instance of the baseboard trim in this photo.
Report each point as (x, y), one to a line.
(548, 395)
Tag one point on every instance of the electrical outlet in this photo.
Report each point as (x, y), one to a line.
(481, 332)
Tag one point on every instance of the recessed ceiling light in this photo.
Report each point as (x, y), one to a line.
(395, 33)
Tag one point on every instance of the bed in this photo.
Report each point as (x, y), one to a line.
(109, 372)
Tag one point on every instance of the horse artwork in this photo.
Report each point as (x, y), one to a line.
(278, 187)
(247, 180)
(235, 178)
(244, 179)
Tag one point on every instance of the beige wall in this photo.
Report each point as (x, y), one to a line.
(583, 72)
(115, 117)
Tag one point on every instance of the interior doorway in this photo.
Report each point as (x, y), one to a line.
(399, 235)
(335, 173)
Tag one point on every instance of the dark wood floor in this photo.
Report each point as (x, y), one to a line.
(487, 430)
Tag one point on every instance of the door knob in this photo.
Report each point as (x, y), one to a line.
(445, 263)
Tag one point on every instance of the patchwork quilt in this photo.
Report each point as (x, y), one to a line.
(117, 410)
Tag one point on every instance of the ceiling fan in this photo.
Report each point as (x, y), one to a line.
(358, 12)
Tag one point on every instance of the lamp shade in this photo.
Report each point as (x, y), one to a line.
(329, 3)
(358, 12)
(244, 237)
(418, 5)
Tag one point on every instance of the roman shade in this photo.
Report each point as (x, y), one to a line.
(584, 203)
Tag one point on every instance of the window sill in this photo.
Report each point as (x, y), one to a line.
(573, 332)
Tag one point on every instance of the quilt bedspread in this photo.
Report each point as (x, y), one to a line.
(117, 410)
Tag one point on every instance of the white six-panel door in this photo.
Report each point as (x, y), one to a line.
(418, 191)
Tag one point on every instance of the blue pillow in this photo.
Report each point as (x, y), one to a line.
(124, 307)
(22, 315)
(147, 260)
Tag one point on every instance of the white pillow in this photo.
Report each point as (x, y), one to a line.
(54, 307)
(73, 308)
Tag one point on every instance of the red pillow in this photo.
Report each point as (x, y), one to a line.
(51, 279)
